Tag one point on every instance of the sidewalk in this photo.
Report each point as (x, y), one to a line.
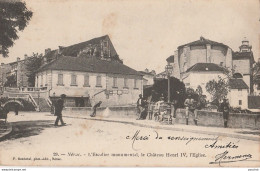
(247, 134)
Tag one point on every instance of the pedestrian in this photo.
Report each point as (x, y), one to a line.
(95, 108)
(190, 105)
(157, 111)
(16, 108)
(59, 105)
(139, 103)
(174, 108)
(144, 110)
(224, 107)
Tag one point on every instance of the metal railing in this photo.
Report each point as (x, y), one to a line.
(31, 99)
(49, 101)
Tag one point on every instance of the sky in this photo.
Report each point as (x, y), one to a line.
(143, 32)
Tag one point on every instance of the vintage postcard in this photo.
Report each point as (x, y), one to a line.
(169, 83)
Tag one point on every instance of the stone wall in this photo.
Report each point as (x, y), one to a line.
(215, 119)
(205, 118)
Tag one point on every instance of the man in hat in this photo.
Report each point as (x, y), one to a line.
(58, 110)
(190, 107)
(95, 108)
(224, 107)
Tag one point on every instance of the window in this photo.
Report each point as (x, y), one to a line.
(60, 79)
(98, 81)
(46, 79)
(73, 80)
(240, 102)
(115, 82)
(41, 80)
(240, 92)
(86, 81)
(105, 44)
(125, 83)
(135, 84)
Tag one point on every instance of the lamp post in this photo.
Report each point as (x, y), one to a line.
(168, 70)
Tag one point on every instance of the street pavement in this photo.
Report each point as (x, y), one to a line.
(87, 141)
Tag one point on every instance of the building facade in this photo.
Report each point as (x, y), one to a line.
(100, 47)
(198, 62)
(238, 95)
(208, 51)
(15, 70)
(200, 74)
(87, 80)
(148, 77)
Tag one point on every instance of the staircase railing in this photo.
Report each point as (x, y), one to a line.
(49, 101)
(31, 99)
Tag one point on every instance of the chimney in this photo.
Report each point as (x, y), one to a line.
(44, 60)
(25, 56)
(47, 50)
(18, 59)
(60, 49)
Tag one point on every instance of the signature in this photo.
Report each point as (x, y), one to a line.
(137, 137)
(225, 158)
(215, 145)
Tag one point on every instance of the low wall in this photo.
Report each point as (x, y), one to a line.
(215, 119)
(205, 118)
(121, 112)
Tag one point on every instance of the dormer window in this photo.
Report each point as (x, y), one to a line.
(105, 44)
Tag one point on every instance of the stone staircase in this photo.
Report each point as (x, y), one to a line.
(37, 96)
(43, 104)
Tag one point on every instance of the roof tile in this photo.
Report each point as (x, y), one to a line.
(238, 84)
(88, 64)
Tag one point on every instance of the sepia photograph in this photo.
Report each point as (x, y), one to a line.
(130, 83)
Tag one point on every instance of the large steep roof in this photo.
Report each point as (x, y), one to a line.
(88, 64)
(237, 84)
(205, 67)
(203, 41)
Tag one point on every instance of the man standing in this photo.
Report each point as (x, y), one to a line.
(224, 107)
(95, 108)
(190, 107)
(58, 110)
(16, 108)
(139, 105)
(144, 110)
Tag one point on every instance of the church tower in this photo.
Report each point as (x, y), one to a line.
(245, 47)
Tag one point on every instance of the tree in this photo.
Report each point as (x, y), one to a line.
(160, 88)
(11, 81)
(14, 17)
(256, 72)
(218, 89)
(202, 102)
(32, 65)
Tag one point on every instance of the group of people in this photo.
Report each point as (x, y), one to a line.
(190, 104)
(144, 107)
